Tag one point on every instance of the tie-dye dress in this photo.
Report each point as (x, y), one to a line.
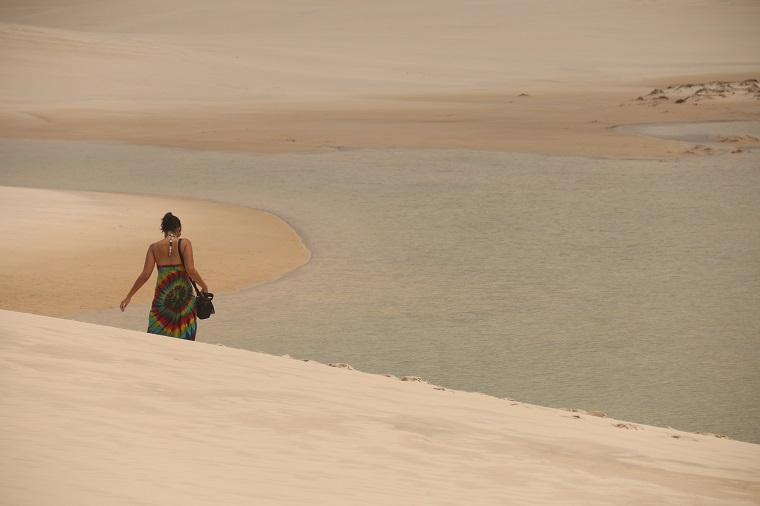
(173, 310)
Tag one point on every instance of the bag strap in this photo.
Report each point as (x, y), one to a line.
(179, 248)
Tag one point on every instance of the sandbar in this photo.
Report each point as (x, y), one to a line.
(65, 252)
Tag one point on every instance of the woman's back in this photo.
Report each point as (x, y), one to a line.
(161, 251)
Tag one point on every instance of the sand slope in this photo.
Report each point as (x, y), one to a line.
(70, 251)
(101, 415)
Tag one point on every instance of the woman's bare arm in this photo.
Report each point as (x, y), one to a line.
(187, 252)
(150, 262)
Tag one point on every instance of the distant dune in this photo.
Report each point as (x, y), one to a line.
(540, 76)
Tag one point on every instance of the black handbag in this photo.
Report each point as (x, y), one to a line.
(203, 305)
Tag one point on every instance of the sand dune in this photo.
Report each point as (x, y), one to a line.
(98, 415)
(67, 251)
(297, 77)
(101, 415)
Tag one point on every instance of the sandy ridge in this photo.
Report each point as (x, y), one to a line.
(93, 411)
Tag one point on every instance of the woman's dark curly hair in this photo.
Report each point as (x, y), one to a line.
(169, 222)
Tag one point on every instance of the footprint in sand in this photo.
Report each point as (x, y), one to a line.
(340, 365)
(700, 149)
(629, 426)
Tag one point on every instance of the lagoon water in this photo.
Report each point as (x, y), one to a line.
(626, 286)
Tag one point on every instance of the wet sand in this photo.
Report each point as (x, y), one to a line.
(547, 121)
(71, 251)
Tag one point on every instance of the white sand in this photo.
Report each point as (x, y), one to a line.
(95, 415)
(65, 252)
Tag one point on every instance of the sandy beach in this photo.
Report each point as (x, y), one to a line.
(552, 199)
(73, 251)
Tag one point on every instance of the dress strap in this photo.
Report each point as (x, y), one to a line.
(198, 292)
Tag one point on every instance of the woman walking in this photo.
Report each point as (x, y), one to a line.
(173, 310)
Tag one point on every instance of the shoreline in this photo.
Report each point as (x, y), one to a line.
(670, 155)
(101, 254)
(273, 182)
(574, 412)
(547, 122)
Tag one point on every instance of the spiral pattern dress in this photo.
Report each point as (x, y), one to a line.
(173, 310)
